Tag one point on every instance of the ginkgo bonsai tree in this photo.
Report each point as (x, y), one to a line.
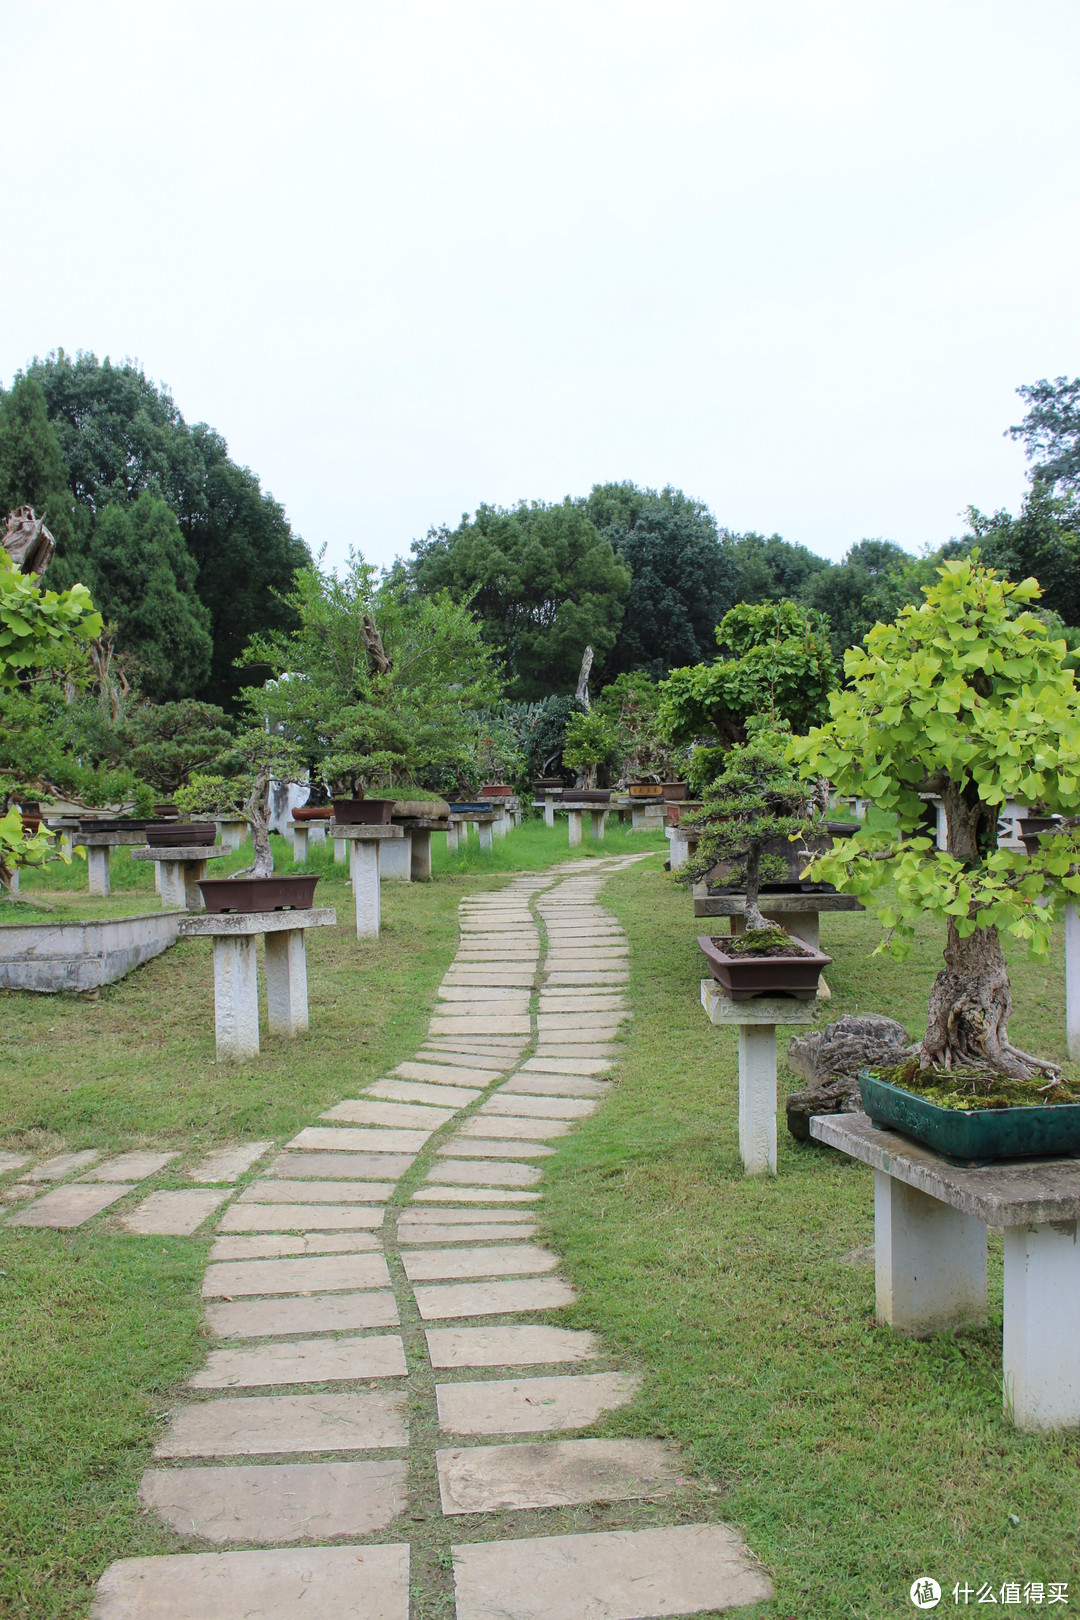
(964, 697)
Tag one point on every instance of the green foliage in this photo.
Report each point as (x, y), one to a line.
(874, 581)
(50, 745)
(32, 467)
(591, 740)
(163, 743)
(1051, 431)
(543, 741)
(631, 707)
(1043, 541)
(965, 696)
(543, 582)
(40, 630)
(770, 569)
(778, 665)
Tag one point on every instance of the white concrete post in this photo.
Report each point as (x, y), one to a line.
(341, 849)
(451, 837)
(1072, 980)
(483, 832)
(13, 882)
(499, 825)
(757, 1098)
(420, 869)
(317, 832)
(65, 843)
(232, 833)
(97, 867)
(680, 850)
(1041, 1345)
(549, 810)
(286, 982)
(573, 819)
(172, 882)
(236, 996)
(598, 817)
(300, 843)
(396, 860)
(929, 1260)
(157, 877)
(365, 882)
(516, 815)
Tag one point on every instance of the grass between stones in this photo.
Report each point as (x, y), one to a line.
(852, 1460)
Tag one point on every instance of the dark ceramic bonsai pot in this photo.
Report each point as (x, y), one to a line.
(362, 812)
(495, 790)
(1032, 828)
(674, 792)
(977, 1134)
(176, 834)
(746, 976)
(548, 784)
(257, 894)
(314, 812)
(587, 796)
(646, 790)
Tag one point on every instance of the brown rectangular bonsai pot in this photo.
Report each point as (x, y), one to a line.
(746, 976)
(363, 812)
(179, 834)
(257, 894)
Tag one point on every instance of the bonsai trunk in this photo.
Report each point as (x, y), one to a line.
(257, 812)
(970, 1000)
(754, 919)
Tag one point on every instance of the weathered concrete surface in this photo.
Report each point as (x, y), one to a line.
(441, 1233)
(69, 1206)
(279, 1502)
(344, 1166)
(478, 1173)
(135, 1166)
(227, 1164)
(49, 957)
(301, 1218)
(273, 1245)
(176, 1214)
(303, 1361)
(531, 1405)
(442, 1302)
(262, 1425)
(62, 1164)
(280, 1190)
(492, 1260)
(279, 1318)
(323, 1273)
(511, 1346)
(557, 1473)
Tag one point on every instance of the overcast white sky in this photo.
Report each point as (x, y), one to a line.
(793, 258)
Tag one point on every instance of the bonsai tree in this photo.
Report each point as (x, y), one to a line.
(259, 757)
(756, 801)
(591, 741)
(631, 706)
(964, 697)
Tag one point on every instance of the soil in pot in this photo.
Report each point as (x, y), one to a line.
(177, 834)
(764, 961)
(363, 812)
(257, 894)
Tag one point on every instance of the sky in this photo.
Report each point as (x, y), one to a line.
(793, 258)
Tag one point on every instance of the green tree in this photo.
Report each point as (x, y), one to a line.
(965, 697)
(591, 741)
(32, 468)
(875, 580)
(1051, 431)
(1043, 540)
(771, 568)
(776, 663)
(630, 706)
(543, 582)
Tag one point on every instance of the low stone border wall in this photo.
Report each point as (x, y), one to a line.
(48, 957)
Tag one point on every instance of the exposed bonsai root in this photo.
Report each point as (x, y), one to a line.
(968, 1012)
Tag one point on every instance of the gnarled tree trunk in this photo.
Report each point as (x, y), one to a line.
(753, 916)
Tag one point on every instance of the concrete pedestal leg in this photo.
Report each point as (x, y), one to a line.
(65, 844)
(13, 882)
(236, 997)
(420, 869)
(598, 817)
(680, 852)
(286, 982)
(757, 1098)
(1041, 1347)
(97, 865)
(516, 816)
(930, 1261)
(157, 877)
(317, 832)
(179, 880)
(395, 861)
(499, 825)
(194, 872)
(365, 882)
(300, 845)
(1072, 980)
(549, 812)
(341, 849)
(232, 836)
(573, 820)
(452, 838)
(483, 830)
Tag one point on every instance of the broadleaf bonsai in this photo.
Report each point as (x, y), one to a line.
(964, 697)
(259, 758)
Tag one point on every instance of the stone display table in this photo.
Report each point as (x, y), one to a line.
(575, 810)
(547, 805)
(756, 1021)
(179, 871)
(99, 847)
(232, 830)
(417, 841)
(930, 1221)
(647, 815)
(365, 841)
(303, 834)
(797, 913)
(683, 844)
(236, 986)
(460, 821)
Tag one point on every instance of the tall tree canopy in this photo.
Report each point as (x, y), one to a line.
(1051, 431)
(870, 586)
(682, 580)
(771, 568)
(1043, 542)
(543, 581)
(119, 436)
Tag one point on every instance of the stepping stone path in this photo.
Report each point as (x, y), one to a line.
(384, 1270)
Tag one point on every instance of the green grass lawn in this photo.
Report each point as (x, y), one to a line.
(853, 1460)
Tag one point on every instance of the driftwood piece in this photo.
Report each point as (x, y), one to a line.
(829, 1061)
(378, 662)
(582, 693)
(28, 541)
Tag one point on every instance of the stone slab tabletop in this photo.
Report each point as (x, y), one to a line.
(181, 852)
(722, 1009)
(109, 840)
(422, 823)
(227, 923)
(1009, 1192)
(734, 905)
(362, 830)
(474, 815)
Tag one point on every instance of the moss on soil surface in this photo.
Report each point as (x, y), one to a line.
(968, 1090)
(771, 941)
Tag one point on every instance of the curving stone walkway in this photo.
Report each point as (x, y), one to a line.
(390, 1406)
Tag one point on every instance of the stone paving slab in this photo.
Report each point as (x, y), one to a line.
(279, 1501)
(555, 1085)
(442, 1027)
(532, 1405)
(555, 1473)
(309, 1274)
(473, 1195)
(620, 1575)
(357, 1139)
(468, 1055)
(525, 1107)
(136, 1166)
(465, 1146)
(505, 1260)
(448, 1073)
(174, 1214)
(581, 976)
(500, 1126)
(462, 1234)
(301, 1218)
(280, 1318)
(303, 1361)
(604, 1024)
(274, 1245)
(265, 1425)
(20, 1190)
(414, 1091)
(460, 1217)
(584, 1066)
(65, 1207)
(342, 1166)
(440, 1302)
(228, 1164)
(551, 1005)
(311, 1583)
(282, 1191)
(498, 978)
(63, 1164)
(511, 1346)
(479, 1173)
(12, 1161)
(506, 995)
(359, 1111)
(576, 1058)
